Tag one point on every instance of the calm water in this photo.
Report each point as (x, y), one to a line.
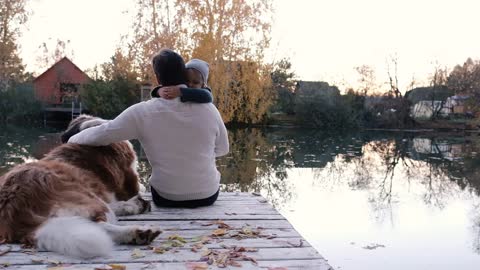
(364, 200)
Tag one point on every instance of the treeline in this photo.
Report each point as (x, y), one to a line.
(318, 104)
(233, 37)
(230, 35)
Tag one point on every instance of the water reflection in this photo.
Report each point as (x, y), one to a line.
(381, 181)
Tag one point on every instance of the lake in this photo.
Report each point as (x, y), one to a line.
(365, 200)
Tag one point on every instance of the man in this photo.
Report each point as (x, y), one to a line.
(181, 140)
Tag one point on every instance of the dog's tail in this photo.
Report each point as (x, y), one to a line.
(74, 236)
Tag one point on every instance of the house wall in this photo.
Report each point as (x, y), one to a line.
(424, 109)
(47, 85)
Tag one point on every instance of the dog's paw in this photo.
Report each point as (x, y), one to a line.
(144, 205)
(145, 235)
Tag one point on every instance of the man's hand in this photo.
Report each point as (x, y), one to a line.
(170, 92)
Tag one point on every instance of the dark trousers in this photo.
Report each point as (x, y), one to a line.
(162, 202)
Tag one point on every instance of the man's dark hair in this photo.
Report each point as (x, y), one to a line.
(169, 67)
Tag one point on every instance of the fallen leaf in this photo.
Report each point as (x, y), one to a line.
(300, 244)
(277, 268)
(159, 250)
(206, 252)
(137, 253)
(178, 238)
(54, 262)
(104, 267)
(221, 224)
(234, 263)
(56, 268)
(256, 194)
(373, 246)
(118, 266)
(245, 249)
(148, 266)
(271, 236)
(219, 232)
(37, 260)
(196, 266)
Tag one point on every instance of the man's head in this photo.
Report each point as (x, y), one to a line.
(197, 73)
(169, 68)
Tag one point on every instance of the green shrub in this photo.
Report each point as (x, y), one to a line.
(107, 99)
(18, 104)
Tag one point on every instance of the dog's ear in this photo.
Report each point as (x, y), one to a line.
(80, 123)
(74, 127)
(70, 132)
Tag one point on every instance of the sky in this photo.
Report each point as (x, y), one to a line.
(324, 39)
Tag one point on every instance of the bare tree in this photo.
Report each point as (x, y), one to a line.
(366, 80)
(438, 80)
(393, 78)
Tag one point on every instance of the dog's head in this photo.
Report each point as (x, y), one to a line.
(80, 123)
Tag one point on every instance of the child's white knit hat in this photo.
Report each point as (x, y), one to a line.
(201, 66)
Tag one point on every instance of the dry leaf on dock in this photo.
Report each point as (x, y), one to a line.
(137, 253)
(219, 232)
(196, 266)
(111, 267)
(177, 238)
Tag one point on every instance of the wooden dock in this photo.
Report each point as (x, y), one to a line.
(241, 231)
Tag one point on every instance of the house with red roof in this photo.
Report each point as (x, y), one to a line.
(61, 84)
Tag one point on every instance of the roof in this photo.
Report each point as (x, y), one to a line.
(428, 93)
(57, 63)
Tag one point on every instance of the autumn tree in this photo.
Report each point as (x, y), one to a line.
(50, 56)
(12, 15)
(231, 35)
(465, 79)
(154, 28)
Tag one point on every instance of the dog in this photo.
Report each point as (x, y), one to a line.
(68, 201)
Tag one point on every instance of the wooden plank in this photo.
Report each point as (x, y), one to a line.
(280, 245)
(221, 195)
(221, 206)
(182, 255)
(217, 210)
(201, 224)
(224, 196)
(249, 242)
(206, 216)
(315, 264)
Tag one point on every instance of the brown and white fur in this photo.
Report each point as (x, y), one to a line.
(68, 201)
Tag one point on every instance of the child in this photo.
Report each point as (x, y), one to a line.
(198, 91)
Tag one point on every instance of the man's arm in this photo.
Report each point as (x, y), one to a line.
(221, 141)
(123, 127)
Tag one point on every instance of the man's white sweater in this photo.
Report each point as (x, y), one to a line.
(181, 141)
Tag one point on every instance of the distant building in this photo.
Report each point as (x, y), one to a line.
(321, 90)
(428, 100)
(458, 104)
(426, 108)
(60, 84)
